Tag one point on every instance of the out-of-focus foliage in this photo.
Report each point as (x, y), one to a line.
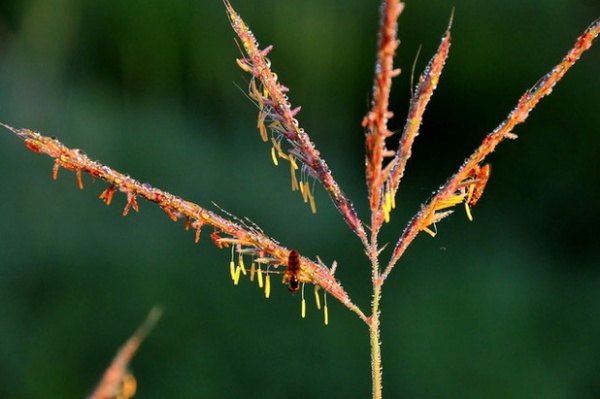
(506, 306)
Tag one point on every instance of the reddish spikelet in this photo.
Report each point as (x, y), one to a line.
(274, 107)
(383, 182)
(108, 194)
(131, 203)
(117, 381)
(233, 233)
(421, 96)
(526, 103)
(376, 119)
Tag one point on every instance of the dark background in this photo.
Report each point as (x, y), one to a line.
(505, 307)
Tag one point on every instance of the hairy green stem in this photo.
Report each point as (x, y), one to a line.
(375, 338)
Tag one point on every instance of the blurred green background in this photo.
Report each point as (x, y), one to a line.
(505, 307)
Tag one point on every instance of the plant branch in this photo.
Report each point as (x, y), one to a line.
(452, 193)
(377, 118)
(117, 381)
(274, 105)
(247, 239)
(422, 94)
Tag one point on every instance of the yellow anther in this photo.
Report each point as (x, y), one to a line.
(313, 205)
(317, 298)
(311, 199)
(295, 186)
(236, 278)
(254, 94)
(260, 277)
(325, 309)
(243, 66)
(303, 308)
(386, 215)
(449, 202)
(229, 240)
(241, 264)
(274, 156)
(293, 162)
(252, 271)
(429, 231)
(267, 286)
(388, 205)
(260, 124)
(232, 270)
(468, 210)
(278, 150)
(303, 191)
